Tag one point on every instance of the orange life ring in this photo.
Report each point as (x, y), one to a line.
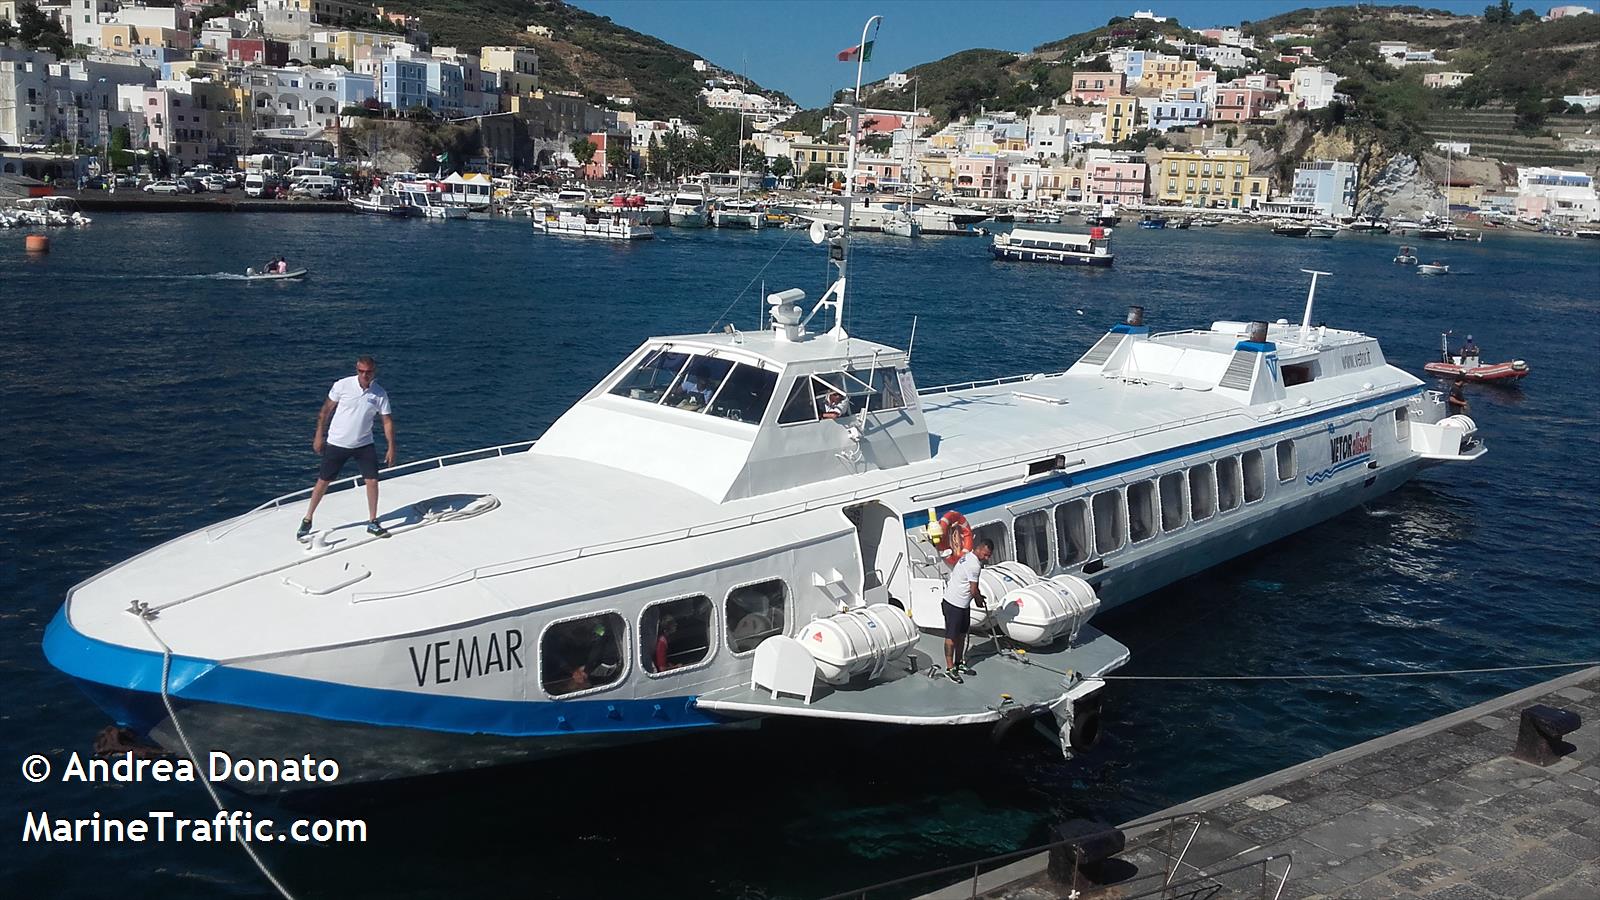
(956, 539)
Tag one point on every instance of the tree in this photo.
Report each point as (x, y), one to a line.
(657, 162)
(6, 31)
(41, 32)
(582, 149)
(782, 166)
(117, 151)
(816, 173)
(1498, 15)
(616, 155)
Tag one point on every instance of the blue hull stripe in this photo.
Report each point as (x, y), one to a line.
(191, 679)
(1060, 482)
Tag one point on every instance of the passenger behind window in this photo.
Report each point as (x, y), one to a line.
(664, 634)
(586, 655)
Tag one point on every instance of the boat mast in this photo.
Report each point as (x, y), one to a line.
(1311, 298)
(839, 245)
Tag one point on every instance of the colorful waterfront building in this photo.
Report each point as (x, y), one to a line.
(1209, 178)
(1238, 103)
(1122, 117)
(1095, 87)
(980, 175)
(1116, 178)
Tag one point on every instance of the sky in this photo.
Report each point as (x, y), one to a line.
(792, 45)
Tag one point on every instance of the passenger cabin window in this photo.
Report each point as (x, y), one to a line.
(1255, 475)
(1202, 493)
(1228, 486)
(1033, 540)
(1142, 511)
(1072, 533)
(1286, 463)
(995, 532)
(1110, 521)
(675, 633)
(1402, 426)
(700, 383)
(1172, 501)
(755, 613)
(580, 654)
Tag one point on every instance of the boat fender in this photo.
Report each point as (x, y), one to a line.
(1085, 731)
(1009, 719)
(955, 538)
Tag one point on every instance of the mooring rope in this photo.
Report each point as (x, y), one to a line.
(1340, 676)
(166, 700)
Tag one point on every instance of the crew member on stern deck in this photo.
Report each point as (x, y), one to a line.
(960, 592)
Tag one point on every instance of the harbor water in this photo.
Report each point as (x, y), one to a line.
(148, 391)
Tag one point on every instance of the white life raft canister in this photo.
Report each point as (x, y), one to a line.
(858, 641)
(1043, 612)
(996, 581)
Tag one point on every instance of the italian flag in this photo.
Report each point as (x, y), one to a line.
(862, 52)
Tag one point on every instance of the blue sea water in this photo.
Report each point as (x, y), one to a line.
(146, 393)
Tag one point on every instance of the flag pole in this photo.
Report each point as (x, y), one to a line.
(850, 180)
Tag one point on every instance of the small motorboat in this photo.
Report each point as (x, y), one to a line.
(1591, 234)
(1152, 222)
(1433, 268)
(253, 275)
(1407, 256)
(1323, 231)
(1368, 225)
(1296, 231)
(1184, 223)
(1468, 365)
(902, 226)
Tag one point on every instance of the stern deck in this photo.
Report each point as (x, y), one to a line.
(905, 697)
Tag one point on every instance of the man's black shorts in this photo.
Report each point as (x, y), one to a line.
(957, 619)
(334, 458)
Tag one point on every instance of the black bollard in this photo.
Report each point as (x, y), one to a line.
(1539, 739)
(1079, 846)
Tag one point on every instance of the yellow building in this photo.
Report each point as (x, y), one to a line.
(944, 142)
(832, 156)
(351, 46)
(1122, 116)
(1165, 74)
(126, 37)
(933, 170)
(1217, 178)
(518, 67)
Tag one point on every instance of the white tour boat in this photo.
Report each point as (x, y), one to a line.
(426, 198)
(690, 210)
(739, 214)
(1034, 245)
(383, 202)
(930, 218)
(613, 223)
(695, 545)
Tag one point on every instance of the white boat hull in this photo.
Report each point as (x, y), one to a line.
(732, 219)
(688, 218)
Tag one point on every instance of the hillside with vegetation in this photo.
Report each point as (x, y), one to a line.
(587, 53)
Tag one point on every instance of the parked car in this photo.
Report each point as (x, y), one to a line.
(216, 183)
(167, 186)
(127, 181)
(316, 187)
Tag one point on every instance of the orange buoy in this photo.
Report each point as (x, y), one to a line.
(38, 243)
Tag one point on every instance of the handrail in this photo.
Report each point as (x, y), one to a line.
(438, 462)
(523, 564)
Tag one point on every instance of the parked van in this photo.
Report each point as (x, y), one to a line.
(257, 185)
(317, 187)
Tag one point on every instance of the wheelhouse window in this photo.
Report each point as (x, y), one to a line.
(755, 612)
(1033, 540)
(651, 378)
(873, 390)
(1286, 461)
(997, 533)
(700, 383)
(1072, 532)
(1110, 521)
(675, 633)
(1228, 483)
(745, 394)
(1142, 511)
(1202, 493)
(1172, 501)
(581, 654)
(1255, 475)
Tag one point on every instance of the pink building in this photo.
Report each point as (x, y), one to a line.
(979, 175)
(1236, 103)
(878, 172)
(1112, 181)
(1095, 87)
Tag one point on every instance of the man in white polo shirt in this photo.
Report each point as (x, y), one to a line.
(959, 593)
(353, 403)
